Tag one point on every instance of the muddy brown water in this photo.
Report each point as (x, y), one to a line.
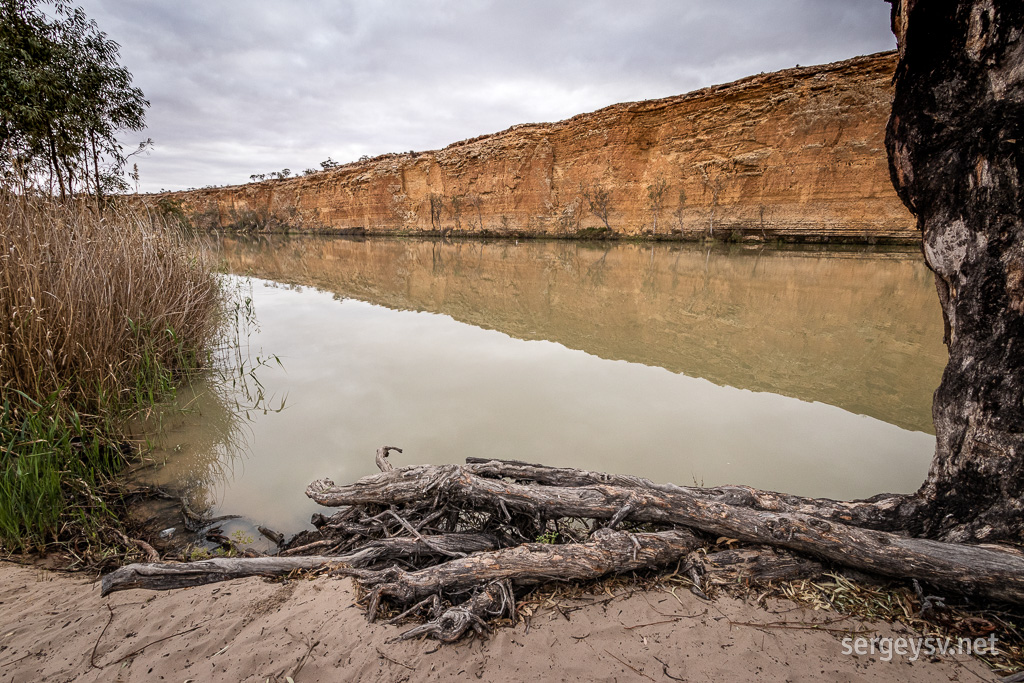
(804, 370)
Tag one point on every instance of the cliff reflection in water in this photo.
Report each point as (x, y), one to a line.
(860, 330)
(734, 355)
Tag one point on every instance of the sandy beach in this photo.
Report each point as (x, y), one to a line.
(56, 627)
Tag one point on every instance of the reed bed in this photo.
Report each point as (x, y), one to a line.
(100, 317)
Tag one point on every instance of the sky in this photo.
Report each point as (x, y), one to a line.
(244, 87)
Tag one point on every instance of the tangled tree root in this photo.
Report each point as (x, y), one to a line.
(457, 544)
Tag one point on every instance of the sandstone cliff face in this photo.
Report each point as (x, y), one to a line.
(796, 154)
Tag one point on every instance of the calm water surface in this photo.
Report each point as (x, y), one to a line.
(807, 371)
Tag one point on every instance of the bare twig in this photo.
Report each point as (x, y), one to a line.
(664, 670)
(627, 664)
(394, 661)
(138, 649)
(92, 657)
(665, 621)
(800, 626)
(421, 603)
(408, 527)
(382, 458)
(15, 661)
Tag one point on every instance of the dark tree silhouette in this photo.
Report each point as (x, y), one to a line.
(956, 156)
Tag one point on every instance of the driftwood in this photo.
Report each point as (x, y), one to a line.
(492, 602)
(989, 571)
(165, 576)
(501, 571)
(168, 575)
(275, 536)
(447, 545)
(526, 565)
(531, 563)
(879, 512)
(457, 545)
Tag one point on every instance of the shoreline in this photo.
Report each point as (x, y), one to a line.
(57, 628)
(735, 236)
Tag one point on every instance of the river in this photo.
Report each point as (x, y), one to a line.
(806, 370)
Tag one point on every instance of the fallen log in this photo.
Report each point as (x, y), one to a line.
(168, 575)
(608, 552)
(275, 536)
(883, 512)
(165, 576)
(498, 598)
(989, 571)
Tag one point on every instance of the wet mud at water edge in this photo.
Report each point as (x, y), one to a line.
(804, 370)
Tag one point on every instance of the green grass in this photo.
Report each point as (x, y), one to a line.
(55, 462)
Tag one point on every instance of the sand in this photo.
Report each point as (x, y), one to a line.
(56, 627)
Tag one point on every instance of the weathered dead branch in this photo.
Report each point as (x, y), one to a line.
(382, 458)
(164, 576)
(168, 575)
(882, 512)
(530, 563)
(499, 572)
(990, 571)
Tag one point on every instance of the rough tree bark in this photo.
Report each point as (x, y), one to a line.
(956, 156)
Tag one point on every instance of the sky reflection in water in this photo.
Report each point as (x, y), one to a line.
(359, 375)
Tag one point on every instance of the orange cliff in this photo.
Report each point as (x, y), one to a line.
(796, 155)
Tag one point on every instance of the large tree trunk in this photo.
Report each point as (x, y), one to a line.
(956, 150)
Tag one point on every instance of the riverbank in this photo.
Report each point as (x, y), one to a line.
(55, 627)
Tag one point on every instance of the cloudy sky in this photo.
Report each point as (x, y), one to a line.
(251, 86)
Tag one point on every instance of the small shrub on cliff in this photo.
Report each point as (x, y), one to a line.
(599, 201)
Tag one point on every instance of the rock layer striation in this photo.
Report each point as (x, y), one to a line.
(795, 154)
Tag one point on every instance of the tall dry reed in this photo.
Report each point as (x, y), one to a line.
(91, 305)
(99, 317)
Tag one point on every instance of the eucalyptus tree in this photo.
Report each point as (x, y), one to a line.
(64, 99)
